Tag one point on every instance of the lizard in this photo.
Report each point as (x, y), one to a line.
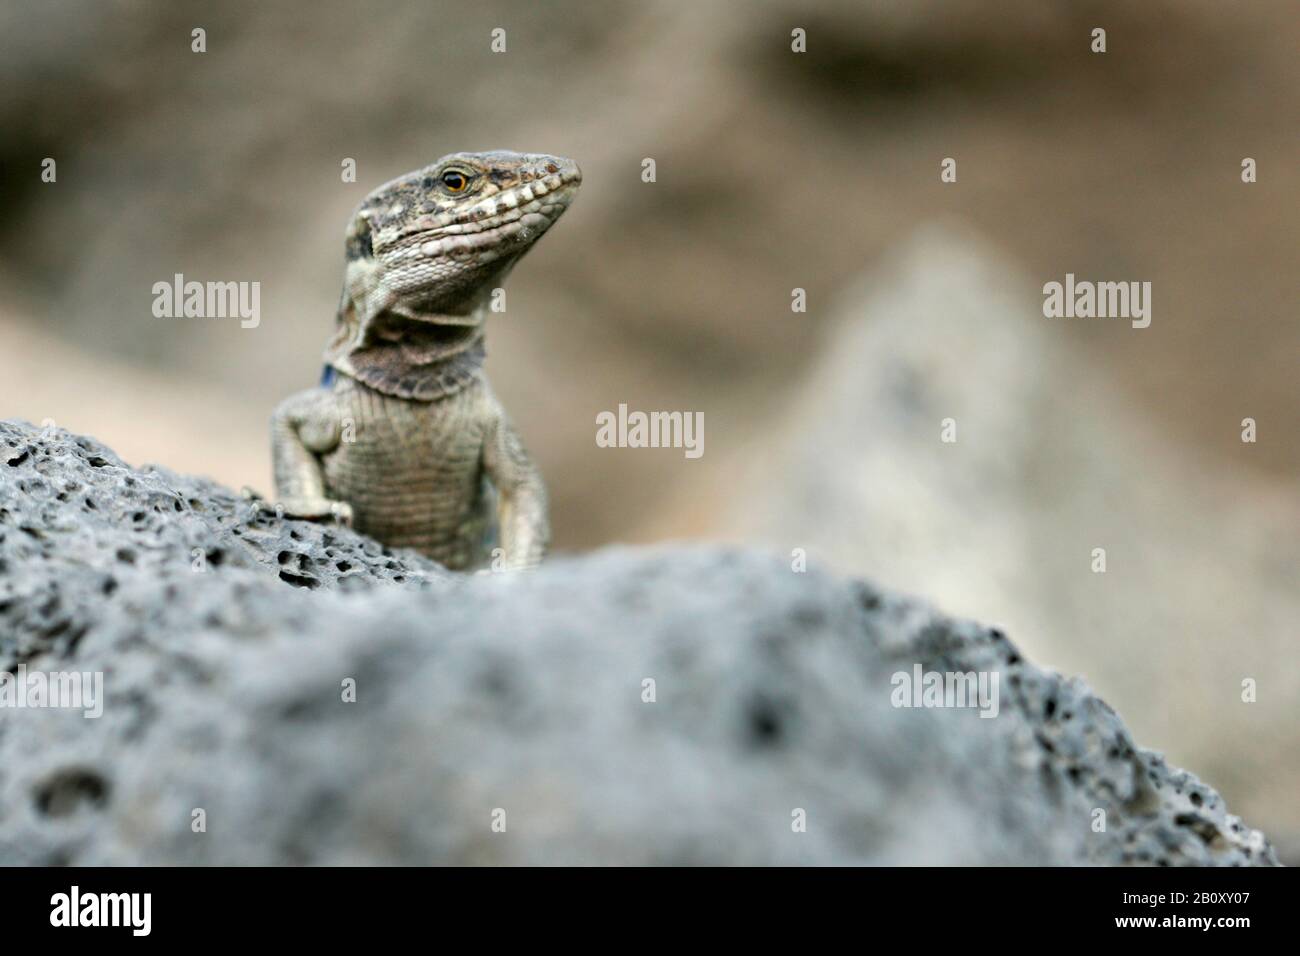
(403, 439)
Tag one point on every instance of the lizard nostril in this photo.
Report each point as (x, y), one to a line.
(552, 168)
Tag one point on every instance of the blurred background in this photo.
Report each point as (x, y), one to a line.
(775, 170)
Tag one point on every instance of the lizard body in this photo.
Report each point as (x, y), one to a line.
(404, 438)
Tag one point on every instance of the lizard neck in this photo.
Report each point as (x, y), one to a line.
(421, 359)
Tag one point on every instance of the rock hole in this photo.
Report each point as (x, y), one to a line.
(767, 722)
(67, 791)
(299, 580)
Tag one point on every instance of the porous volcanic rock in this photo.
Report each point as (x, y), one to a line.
(669, 705)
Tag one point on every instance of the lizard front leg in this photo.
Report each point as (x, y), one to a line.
(303, 427)
(521, 495)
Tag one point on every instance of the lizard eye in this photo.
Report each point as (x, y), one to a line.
(454, 181)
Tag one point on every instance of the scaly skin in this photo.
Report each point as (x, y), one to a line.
(405, 439)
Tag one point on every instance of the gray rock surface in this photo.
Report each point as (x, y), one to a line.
(1052, 460)
(518, 694)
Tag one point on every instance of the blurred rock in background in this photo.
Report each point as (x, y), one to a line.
(1049, 463)
(775, 170)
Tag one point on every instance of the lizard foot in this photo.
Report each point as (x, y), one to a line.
(312, 509)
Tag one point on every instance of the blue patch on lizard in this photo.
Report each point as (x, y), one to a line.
(327, 377)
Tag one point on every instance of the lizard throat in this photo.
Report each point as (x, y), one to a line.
(412, 360)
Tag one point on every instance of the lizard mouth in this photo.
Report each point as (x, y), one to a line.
(499, 225)
(489, 240)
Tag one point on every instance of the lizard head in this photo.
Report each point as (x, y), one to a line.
(433, 244)
(425, 252)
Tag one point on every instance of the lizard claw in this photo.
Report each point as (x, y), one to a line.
(341, 511)
(312, 509)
